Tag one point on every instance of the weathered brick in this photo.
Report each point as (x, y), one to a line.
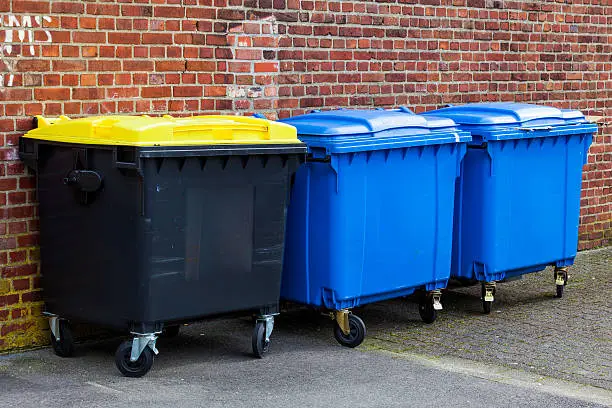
(69, 65)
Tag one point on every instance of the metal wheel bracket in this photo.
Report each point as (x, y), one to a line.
(342, 318)
(142, 341)
(54, 323)
(436, 296)
(268, 321)
(489, 291)
(561, 276)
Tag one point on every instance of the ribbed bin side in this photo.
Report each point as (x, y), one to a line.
(369, 226)
(174, 234)
(519, 209)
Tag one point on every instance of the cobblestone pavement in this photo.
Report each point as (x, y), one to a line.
(529, 329)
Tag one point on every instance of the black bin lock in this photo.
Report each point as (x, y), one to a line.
(88, 181)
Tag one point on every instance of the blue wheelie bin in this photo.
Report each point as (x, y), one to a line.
(518, 198)
(371, 211)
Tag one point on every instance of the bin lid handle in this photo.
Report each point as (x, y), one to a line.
(534, 129)
(42, 121)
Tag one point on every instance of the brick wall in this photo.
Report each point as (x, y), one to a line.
(283, 57)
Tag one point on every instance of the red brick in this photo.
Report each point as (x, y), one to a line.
(69, 65)
(266, 67)
(104, 65)
(34, 296)
(138, 65)
(136, 10)
(87, 93)
(156, 92)
(103, 9)
(89, 37)
(12, 94)
(230, 14)
(21, 284)
(67, 7)
(87, 23)
(8, 184)
(8, 300)
(215, 91)
(31, 7)
(169, 12)
(157, 38)
(15, 198)
(56, 94)
(187, 91)
(170, 66)
(70, 79)
(124, 38)
(27, 65)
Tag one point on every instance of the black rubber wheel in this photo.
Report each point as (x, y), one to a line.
(357, 332)
(65, 346)
(171, 331)
(560, 290)
(137, 368)
(260, 345)
(427, 311)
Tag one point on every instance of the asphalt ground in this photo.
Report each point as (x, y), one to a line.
(532, 350)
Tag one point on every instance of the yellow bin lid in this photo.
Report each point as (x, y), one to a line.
(163, 131)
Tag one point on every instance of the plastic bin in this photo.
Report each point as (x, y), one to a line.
(370, 216)
(151, 222)
(518, 200)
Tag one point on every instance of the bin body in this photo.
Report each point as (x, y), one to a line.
(518, 201)
(370, 216)
(174, 233)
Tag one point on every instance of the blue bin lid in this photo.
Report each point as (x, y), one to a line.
(501, 120)
(352, 130)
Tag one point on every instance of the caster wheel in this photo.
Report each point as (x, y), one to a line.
(486, 307)
(560, 291)
(136, 368)
(356, 335)
(427, 311)
(65, 346)
(171, 331)
(260, 345)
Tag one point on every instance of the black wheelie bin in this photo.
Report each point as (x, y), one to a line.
(150, 222)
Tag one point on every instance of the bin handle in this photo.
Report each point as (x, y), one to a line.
(534, 129)
(87, 181)
(405, 109)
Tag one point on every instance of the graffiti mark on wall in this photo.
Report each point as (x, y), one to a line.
(18, 36)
